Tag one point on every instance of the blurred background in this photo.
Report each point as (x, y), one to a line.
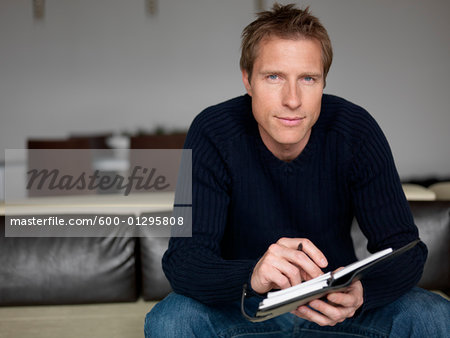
(89, 74)
(112, 66)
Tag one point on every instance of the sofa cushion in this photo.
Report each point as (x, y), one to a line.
(433, 221)
(57, 270)
(415, 192)
(442, 190)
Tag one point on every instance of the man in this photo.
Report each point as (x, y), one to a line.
(282, 166)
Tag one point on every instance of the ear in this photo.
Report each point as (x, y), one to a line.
(246, 82)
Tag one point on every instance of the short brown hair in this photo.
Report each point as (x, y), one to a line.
(285, 22)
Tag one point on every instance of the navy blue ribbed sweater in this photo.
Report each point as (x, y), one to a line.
(244, 199)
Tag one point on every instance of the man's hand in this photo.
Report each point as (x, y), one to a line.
(283, 265)
(340, 305)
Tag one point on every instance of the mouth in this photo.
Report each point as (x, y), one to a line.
(290, 121)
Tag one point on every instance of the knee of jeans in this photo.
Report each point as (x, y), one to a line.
(423, 309)
(174, 316)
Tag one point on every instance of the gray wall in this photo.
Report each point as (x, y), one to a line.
(104, 65)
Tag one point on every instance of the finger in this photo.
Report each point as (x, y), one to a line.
(305, 264)
(299, 258)
(336, 314)
(351, 297)
(314, 253)
(342, 299)
(291, 271)
(304, 275)
(307, 247)
(266, 277)
(313, 316)
(278, 280)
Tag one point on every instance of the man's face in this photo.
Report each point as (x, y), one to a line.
(286, 89)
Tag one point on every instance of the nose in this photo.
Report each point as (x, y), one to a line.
(292, 95)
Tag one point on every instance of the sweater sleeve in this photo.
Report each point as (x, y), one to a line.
(385, 218)
(194, 265)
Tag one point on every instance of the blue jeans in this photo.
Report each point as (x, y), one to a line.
(418, 313)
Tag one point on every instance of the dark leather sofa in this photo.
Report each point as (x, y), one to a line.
(104, 270)
(81, 270)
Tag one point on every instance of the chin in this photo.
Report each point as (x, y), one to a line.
(290, 139)
(289, 142)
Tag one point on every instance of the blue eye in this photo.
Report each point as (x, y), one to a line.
(308, 78)
(273, 77)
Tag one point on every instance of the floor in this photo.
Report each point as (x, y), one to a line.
(124, 320)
